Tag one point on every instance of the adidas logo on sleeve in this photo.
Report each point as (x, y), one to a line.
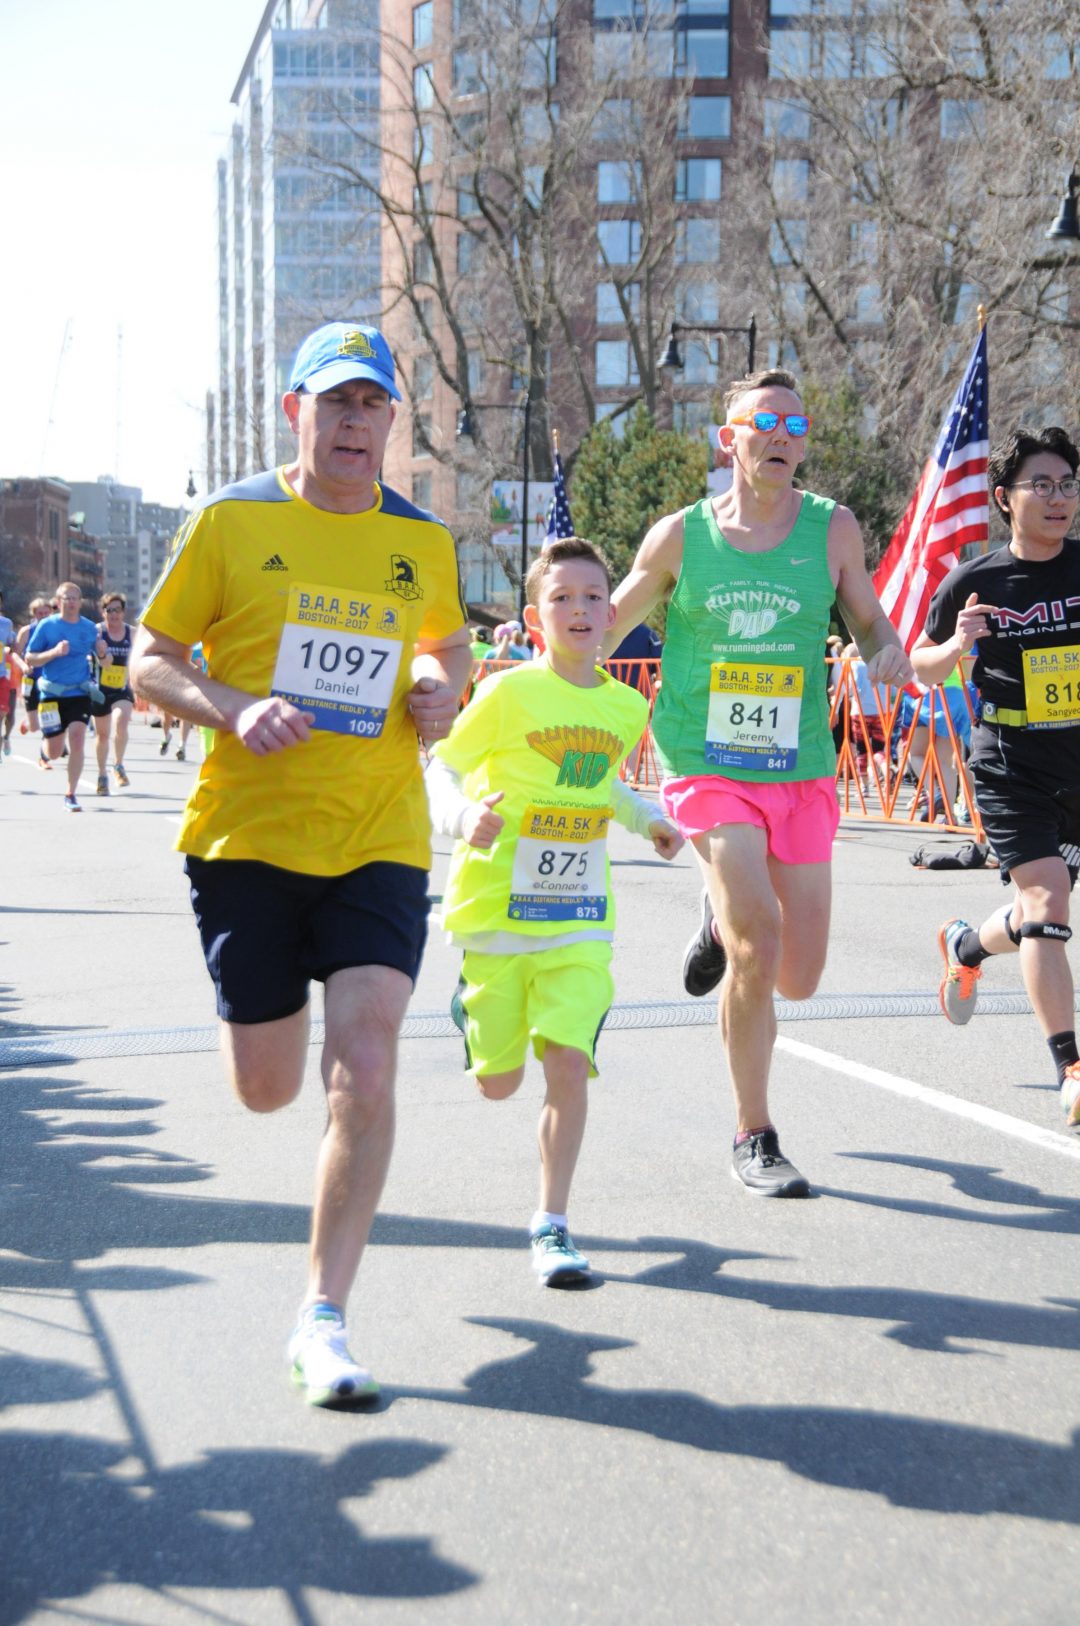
(275, 562)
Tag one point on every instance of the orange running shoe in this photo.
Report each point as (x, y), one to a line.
(959, 989)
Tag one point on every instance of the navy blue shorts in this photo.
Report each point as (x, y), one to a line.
(113, 697)
(268, 932)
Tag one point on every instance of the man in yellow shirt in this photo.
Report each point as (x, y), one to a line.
(332, 627)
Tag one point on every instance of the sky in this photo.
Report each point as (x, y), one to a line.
(113, 114)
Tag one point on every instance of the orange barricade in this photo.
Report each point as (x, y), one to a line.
(874, 754)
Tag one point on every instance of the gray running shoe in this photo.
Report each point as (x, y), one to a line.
(764, 1170)
(959, 989)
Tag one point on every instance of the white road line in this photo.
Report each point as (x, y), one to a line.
(1049, 1139)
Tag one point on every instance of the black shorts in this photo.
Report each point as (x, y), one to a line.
(102, 708)
(31, 696)
(267, 932)
(72, 708)
(1028, 818)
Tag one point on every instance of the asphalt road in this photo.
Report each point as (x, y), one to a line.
(859, 1408)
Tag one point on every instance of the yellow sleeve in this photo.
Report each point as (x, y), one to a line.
(444, 612)
(476, 733)
(187, 598)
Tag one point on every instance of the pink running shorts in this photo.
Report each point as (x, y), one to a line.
(799, 816)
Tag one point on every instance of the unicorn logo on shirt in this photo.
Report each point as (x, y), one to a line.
(582, 755)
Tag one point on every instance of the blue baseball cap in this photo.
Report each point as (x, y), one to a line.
(340, 351)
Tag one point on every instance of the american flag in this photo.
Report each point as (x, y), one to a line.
(559, 522)
(949, 509)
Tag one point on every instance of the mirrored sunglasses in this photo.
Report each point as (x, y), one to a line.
(797, 424)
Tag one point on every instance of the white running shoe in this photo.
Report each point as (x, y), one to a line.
(1070, 1095)
(321, 1364)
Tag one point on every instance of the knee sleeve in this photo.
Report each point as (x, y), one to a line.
(1046, 928)
(1013, 936)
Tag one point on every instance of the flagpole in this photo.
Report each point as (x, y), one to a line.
(980, 312)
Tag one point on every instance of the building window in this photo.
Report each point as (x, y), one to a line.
(423, 30)
(697, 180)
(615, 364)
(789, 53)
(699, 362)
(465, 74)
(617, 181)
(608, 308)
(422, 267)
(421, 434)
(787, 241)
(421, 490)
(786, 121)
(612, 121)
(607, 409)
(697, 302)
(791, 180)
(697, 241)
(469, 253)
(423, 87)
(539, 63)
(423, 378)
(476, 372)
(705, 118)
(619, 241)
(690, 416)
(701, 53)
(424, 144)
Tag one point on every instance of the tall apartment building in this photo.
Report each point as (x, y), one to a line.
(634, 107)
(134, 537)
(297, 244)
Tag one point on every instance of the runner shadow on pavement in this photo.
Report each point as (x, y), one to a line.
(909, 1461)
(927, 1321)
(79, 1513)
(978, 1181)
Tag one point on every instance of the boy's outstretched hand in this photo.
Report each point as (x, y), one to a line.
(666, 839)
(480, 823)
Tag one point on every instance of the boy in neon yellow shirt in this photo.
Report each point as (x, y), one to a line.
(528, 783)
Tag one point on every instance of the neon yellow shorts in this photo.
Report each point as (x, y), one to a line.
(555, 996)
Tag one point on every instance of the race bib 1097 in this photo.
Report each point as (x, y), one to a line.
(338, 658)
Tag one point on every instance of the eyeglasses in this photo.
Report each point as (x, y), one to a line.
(1043, 486)
(119, 608)
(796, 423)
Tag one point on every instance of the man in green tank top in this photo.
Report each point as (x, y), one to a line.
(741, 729)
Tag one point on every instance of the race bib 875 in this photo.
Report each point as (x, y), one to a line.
(339, 657)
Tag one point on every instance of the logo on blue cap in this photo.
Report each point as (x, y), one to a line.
(341, 351)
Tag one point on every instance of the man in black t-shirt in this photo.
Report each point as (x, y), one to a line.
(1019, 608)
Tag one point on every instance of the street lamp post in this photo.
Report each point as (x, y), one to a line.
(1066, 228)
(465, 430)
(672, 361)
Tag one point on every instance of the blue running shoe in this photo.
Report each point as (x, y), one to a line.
(555, 1259)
